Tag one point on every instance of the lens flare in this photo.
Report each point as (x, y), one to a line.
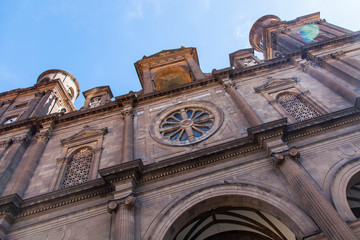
(309, 32)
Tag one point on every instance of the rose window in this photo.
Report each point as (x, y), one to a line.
(186, 123)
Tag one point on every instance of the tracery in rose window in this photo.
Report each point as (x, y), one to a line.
(186, 124)
(78, 168)
(297, 107)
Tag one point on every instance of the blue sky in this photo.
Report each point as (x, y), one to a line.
(99, 41)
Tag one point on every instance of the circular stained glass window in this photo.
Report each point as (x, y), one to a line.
(186, 123)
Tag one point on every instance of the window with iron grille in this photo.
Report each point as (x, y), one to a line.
(297, 107)
(78, 168)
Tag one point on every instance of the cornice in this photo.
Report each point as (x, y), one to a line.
(322, 123)
(27, 91)
(15, 207)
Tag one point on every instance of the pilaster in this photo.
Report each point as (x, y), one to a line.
(32, 105)
(41, 104)
(30, 160)
(310, 197)
(240, 102)
(330, 82)
(123, 218)
(12, 158)
(128, 137)
(4, 106)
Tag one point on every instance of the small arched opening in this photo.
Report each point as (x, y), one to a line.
(171, 77)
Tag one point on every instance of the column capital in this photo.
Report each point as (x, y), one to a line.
(128, 110)
(25, 140)
(278, 158)
(5, 144)
(128, 202)
(42, 136)
(305, 65)
(227, 82)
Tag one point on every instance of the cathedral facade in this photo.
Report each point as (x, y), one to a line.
(263, 149)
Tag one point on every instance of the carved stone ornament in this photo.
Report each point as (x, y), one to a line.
(333, 55)
(274, 83)
(227, 83)
(44, 136)
(25, 140)
(278, 158)
(5, 144)
(186, 123)
(128, 202)
(86, 133)
(127, 111)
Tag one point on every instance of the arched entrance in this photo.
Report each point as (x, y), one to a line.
(233, 223)
(253, 211)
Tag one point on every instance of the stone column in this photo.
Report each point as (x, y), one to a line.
(123, 218)
(32, 105)
(4, 106)
(240, 102)
(331, 83)
(128, 136)
(4, 145)
(30, 162)
(310, 197)
(11, 160)
(41, 104)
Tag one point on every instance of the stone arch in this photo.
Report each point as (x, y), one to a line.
(342, 178)
(171, 76)
(174, 217)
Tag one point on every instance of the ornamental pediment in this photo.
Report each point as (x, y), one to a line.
(272, 83)
(86, 133)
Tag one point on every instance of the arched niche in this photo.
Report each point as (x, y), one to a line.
(171, 77)
(345, 178)
(175, 217)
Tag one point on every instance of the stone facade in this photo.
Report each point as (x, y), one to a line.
(260, 150)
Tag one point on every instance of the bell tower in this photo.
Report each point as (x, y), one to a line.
(168, 68)
(274, 37)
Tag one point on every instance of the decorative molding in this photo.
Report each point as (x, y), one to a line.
(25, 140)
(5, 144)
(272, 83)
(62, 160)
(333, 55)
(86, 133)
(42, 207)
